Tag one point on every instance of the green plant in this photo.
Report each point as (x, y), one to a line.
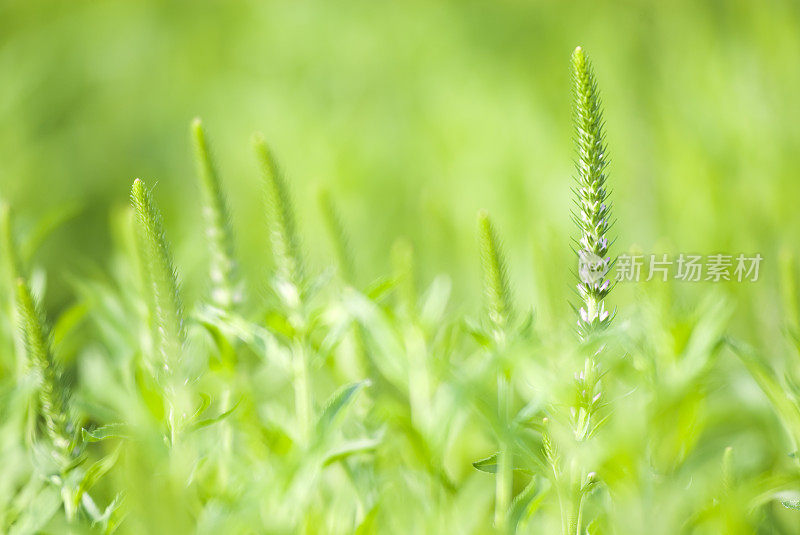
(594, 209)
(165, 304)
(222, 267)
(52, 427)
(500, 315)
(593, 221)
(313, 403)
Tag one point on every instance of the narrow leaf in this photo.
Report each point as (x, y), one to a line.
(105, 432)
(94, 473)
(336, 405)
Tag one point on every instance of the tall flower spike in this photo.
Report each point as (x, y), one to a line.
(593, 209)
(52, 393)
(498, 296)
(11, 270)
(495, 276)
(167, 312)
(284, 239)
(341, 245)
(7, 246)
(218, 228)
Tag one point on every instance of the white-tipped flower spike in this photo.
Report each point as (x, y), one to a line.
(593, 208)
(222, 270)
(167, 312)
(283, 234)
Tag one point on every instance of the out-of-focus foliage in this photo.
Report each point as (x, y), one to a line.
(362, 396)
(417, 115)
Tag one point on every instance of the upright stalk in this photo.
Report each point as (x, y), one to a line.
(499, 311)
(11, 265)
(222, 268)
(290, 278)
(593, 216)
(302, 391)
(593, 221)
(52, 409)
(165, 304)
(505, 468)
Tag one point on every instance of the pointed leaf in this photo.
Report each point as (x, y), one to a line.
(104, 433)
(488, 465)
(336, 405)
(93, 474)
(352, 447)
(526, 503)
(211, 421)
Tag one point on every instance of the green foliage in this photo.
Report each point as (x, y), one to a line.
(322, 406)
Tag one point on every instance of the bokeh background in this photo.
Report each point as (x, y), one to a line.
(414, 115)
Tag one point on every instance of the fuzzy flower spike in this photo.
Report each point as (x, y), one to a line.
(593, 208)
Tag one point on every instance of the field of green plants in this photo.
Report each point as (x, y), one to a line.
(388, 283)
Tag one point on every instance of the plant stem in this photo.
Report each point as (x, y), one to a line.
(561, 505)
(302, 391)
(505, 475)
(575, 500)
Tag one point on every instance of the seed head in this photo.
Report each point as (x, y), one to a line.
(218, 229)
(593, 209)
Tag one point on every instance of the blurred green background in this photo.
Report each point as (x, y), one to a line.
(414, 115)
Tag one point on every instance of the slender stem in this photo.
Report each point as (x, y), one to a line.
(579, 522)
(561, 505)
(302, 392)
(419, 381)
(574, 523)
(69, 504)
(227, 438)
(504, 479)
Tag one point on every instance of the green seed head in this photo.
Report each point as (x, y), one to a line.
(7, 247)
(53, 393)
(495, 276)
(283, 234)
(593, 208)
(166, 308)
(341, 245)
(222, 269)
